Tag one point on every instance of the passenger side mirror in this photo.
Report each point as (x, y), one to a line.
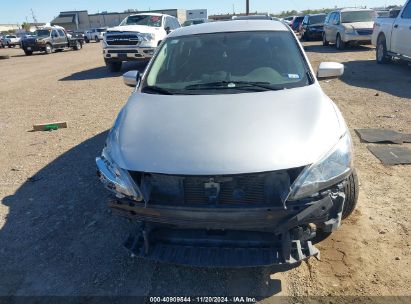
(132, 78)
(330, 69)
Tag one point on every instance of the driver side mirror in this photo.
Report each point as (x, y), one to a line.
(132, 78)
(330, 69)
(168, 30)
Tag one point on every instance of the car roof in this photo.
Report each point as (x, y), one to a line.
(313, 15)
(151, 14)
(230, 26)
(353, 9)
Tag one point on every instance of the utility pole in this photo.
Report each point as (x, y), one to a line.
(247, 7)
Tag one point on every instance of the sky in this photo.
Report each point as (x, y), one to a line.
(18, 10)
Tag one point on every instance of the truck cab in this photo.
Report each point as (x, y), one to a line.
(136, 38)
(392, 36)
(49, 39)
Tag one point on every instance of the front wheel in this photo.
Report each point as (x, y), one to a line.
(77, 46)
(325, 42)
(114, 66)
(28, 53)
(49, 48)
(381, 50)
(97, 39)
(339, 44)
(351, 190)
(86, 40)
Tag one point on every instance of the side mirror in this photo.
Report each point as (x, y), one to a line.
(330, 69)
(168, 30)
(131, 78)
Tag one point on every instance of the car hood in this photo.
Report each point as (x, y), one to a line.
(224, 134)
(360, 25)
(134, 28)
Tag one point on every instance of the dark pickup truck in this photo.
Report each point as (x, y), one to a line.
(47, 40)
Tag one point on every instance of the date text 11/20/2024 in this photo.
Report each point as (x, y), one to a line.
(203, 299)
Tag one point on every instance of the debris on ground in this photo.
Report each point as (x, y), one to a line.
(50, 126)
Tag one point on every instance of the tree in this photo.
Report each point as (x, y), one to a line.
(26, 26)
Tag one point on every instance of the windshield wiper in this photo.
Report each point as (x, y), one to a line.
(157, 90)
(234, 85)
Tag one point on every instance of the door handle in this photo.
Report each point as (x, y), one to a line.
(396, 26)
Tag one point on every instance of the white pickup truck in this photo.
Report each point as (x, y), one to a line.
(392, 36)
(136, 38)
(11, 41)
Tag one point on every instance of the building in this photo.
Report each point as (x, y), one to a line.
(82, 20)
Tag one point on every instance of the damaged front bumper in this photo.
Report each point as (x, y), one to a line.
(229, 237)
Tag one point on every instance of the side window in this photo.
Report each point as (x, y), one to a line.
(406, 14)
(337, 18)
(54, 33)
(175, 24)
(61, 33)
(327, 19)
(305, 20)
(167, 23)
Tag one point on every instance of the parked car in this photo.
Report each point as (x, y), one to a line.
(296, 22)
(11, 41)
(194, 22)
(49, 39)
(392, 36)
(312, 27)
(77, 34)
(288, 19)
(349, 26)
(2, 45)
(95, 34)
(136, 38)
(224, 158)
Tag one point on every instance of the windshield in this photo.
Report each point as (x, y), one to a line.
(42, 33)
(147, 20)
(316, 19)
(359, 16)
(227, 63)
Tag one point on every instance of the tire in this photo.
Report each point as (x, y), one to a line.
(97, 39)
(381, 50)
(86, 40)
(49, 48)
(339, 44)
(325, 42)
(28, 53)
(77, 46)
(351, 190)
(307, 36)
(114, 66)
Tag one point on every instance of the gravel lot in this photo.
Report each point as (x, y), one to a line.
(58, 238)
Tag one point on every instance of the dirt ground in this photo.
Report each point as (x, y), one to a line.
(58, 238)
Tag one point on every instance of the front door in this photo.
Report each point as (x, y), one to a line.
(401, 33)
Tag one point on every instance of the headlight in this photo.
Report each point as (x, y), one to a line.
(116, 179)
(329, 170)
(147, 37)
(350, 31)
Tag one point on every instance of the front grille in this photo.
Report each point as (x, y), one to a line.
(122, 39)
(121, 51)
(256, 189)
(364, 31)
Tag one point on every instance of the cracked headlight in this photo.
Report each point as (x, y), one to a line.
(116, 179)
(331, 169)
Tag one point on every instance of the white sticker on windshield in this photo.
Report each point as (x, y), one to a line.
(293, 76)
